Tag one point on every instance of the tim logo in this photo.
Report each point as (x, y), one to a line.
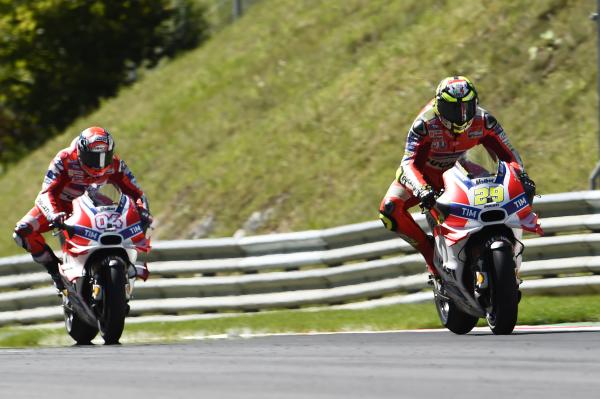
(469, 213)
(92, 235)
(521, 202)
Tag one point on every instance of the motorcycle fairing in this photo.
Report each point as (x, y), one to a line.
(462, 201)
(91, 223)
(449, 261)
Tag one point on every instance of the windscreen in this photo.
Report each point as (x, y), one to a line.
(104, 195)
(478, 162)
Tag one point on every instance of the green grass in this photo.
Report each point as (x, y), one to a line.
(532, 310)
(302, 108)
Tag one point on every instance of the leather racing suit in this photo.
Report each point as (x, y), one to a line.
(65, 180)
(431, 149)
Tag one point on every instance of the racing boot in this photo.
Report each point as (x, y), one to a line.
(51, 265)
(52, 269)
(427, 250)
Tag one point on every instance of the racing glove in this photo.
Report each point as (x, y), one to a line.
(145, 217)
(528, 186)
(57, 219)
(426, 197)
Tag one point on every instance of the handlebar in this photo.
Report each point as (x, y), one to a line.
(437, 194)
(62, 227)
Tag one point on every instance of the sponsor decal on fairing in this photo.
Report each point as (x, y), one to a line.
(86, 233)
(465, 211)
(516, 204)
(132, 231)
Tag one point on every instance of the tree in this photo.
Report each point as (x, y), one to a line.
(58, 58)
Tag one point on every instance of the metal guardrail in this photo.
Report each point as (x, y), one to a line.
(295, 299)
(318, 267)
(399, 269)
(536, 248)
(581, 203)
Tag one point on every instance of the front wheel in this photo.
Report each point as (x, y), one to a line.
(111, 320)
(452, 317)
(502, 316)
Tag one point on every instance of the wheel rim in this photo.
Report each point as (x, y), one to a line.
(443, 308)
(491, 319)
(68, 316)
(68, 321)
(490, 312)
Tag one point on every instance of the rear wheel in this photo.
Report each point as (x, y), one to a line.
(78, 329)
(502, 317)
(113, 308)
(452, 317)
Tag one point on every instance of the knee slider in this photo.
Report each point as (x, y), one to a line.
(386, 215)
(20, 241)
(21, 231)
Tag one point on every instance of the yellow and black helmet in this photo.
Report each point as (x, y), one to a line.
(456, 103)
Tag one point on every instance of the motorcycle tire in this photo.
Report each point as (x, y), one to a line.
(111, 320)
(79, 330)
(504, 293)
(452, 317)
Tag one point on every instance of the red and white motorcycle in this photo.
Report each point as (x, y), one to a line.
(477, 223)
(100, 241)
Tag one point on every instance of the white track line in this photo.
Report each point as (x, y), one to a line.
(523, 328)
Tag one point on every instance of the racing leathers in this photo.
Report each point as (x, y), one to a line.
(65, 180)
(431, 149)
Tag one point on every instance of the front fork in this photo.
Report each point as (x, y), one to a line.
(97, 284)
(133, 273)
(480, 267)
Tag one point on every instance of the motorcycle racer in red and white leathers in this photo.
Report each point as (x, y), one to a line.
(88, 160)
(444, 130)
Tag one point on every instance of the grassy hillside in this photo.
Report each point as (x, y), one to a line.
(301, 108)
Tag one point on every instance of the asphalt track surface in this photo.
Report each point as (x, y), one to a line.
(536, 363)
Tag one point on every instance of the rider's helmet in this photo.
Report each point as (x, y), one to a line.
(455, 103)
(95, 148)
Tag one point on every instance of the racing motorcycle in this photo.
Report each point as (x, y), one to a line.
(477, 223)
(100, 242)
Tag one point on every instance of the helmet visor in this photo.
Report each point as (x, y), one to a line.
(457, 112)
(96, 160)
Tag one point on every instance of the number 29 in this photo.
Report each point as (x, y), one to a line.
(495, 194)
